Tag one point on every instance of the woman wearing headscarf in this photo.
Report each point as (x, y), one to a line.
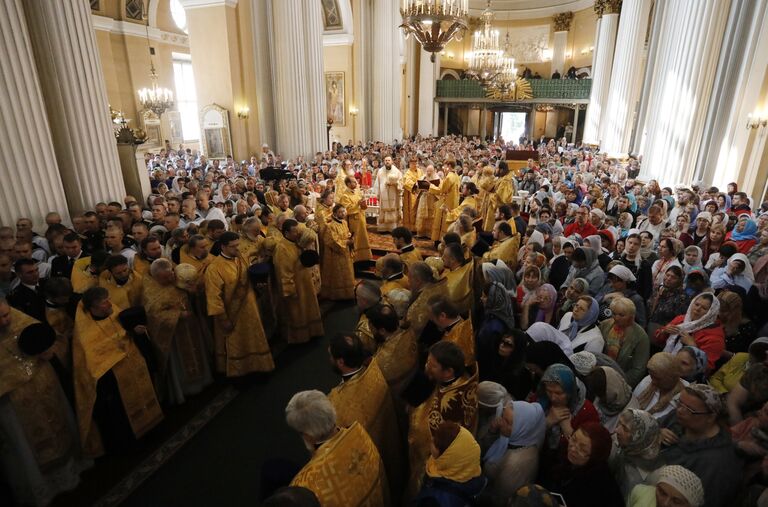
(668, 300)
(674, 485)
(498, 271)
(660, 387)
(561, 264)
(701, 231)
(696, 282)
(503, 361)
(541, 355)
(453, 474)
(693, 364)
(527, 289)
(542, 332)
(625, 340)
(580, 325)
(585, 264)
(739, 330)
(737, 271)
(609, 393)
(498, 314)
(595, 242)
(563, 397)
(540, 307)
(692, 259)
(761, 247)
(669, 249)
(513, 459)
(729, 375)
(582, 476)
(700, 326)
(621, 282)
(636, 444)
(744, 234)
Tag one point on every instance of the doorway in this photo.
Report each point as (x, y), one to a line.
(513, 126)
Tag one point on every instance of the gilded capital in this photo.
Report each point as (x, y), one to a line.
(612, 6)
(600, 7)
(562, 21)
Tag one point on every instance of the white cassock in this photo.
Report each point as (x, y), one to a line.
(388, 187)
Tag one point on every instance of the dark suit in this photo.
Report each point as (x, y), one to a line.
(29, 301)
(62, 266)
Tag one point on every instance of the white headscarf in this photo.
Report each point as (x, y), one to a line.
(691, 326)
(748, 273)
(543, 332)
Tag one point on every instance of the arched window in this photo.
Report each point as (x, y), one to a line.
(179, 16)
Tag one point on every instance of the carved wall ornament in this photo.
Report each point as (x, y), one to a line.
(612, 6)
(600, 7)
(562, 21)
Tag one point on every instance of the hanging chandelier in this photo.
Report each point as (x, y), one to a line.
(156, 99)
(504, 82)
(487, 58)
(434, 23)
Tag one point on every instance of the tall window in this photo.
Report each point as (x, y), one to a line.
(186, 97)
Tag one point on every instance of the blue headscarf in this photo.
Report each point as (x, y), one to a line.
(590, 318)
(749, 232)
(528, 430)
(564, 377)
(632, 202)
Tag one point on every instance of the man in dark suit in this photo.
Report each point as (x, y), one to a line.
(73, 250)
(28, 296)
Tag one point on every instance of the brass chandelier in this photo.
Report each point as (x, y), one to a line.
(434, 23)
(487, 60)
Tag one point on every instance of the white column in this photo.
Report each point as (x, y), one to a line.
(263, 31)
(428, 74)
(363, 49)
(386, 72)
(73, 86)
(31, 182)
(558, 52)
(601, 76)
(690, 40)
(412, 93)
(313, 25)
(575, 123)
(624, 87)
(597, 39)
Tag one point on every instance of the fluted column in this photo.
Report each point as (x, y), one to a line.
(601, 70)
(261, 15)
(561, 23)
(386, 72)
(428, 74)
(313, 25)
(72, 81)
(690, 39)
(31, 182)
(626, 76)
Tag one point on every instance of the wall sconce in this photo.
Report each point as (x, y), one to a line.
(243, 113)
(757, 120)
(353, 111)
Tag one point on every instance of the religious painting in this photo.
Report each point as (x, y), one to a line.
(334, 97)
(173, 131)
(331, 15)
(150, 123)
(214, 124)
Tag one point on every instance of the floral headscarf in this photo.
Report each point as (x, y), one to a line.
(645, 435)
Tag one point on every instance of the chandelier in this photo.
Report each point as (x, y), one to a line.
(504, 82)
(434, 23)
(487, 58)
(156, 99)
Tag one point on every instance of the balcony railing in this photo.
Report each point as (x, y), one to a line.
(543, 89)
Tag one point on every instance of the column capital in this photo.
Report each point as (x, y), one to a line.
(599, 7)
(562, 21)
(612, 6)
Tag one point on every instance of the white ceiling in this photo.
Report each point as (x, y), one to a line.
(527, 9)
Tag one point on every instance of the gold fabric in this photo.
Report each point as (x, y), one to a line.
(64, 325)
(460, 462)
(460, 284)
(98, 347)
(229, 295)
(19, 321)
(365, 399)
(123, 296)
(468, 202)
(350, 199)
(82, 279)
(337, 272)
(504, 189)
(201, 265)
(363, 331)
(395, 283)
(425, 213)
(298, 310)
(140, 266)
(169, 320)
(397, 358)
(506, 250)
(462, 335)
(447, 197)
(410, 197)
(418, 312)
(410, 257)
(252, 248)
(38, 402)
(323, 215)
(346, 471)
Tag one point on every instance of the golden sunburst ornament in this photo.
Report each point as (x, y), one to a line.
(519, 89)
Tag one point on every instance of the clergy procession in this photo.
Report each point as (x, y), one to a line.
(555, 332)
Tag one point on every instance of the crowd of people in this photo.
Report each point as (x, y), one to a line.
(571, 334)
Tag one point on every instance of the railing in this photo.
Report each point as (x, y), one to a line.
(567, 89)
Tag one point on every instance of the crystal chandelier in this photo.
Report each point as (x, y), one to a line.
(504, 82)
(434, 23)
(156, 99)
(487, 58)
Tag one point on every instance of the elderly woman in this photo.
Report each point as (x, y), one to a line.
(503, 361)
(577, 288)
(674, 485)
(737, 271)
(498, 317)
(513, 459)
(585, 264)
(701, 231)
(608, 392)
(636, 445)
(660, 387)
(580, 325)
(739, 330)
(744, 234)
(693, 364)
(561, 263)
(584, 478)
(761, 248)
(621, 283)
(540, 307)
(700, 326)
(625, 340)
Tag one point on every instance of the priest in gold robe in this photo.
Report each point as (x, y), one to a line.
(424, 286)
(86, 271)
(298, 310)
(468, 201)
(447, 199)
(425, 210)
(391, 270)
(445, 315)
(367, 295)
(504, 189)
(176, 336)
(403, 240)
(40, 456)
(337, 271)
(363, 396)
(346, 469)
(240, 343)
(453, 399)
(123, 284)
(12, 321)
(411, 194)
(354, 202)
(397, 354)
(505, 246)
(114, 396)
(459, 277)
